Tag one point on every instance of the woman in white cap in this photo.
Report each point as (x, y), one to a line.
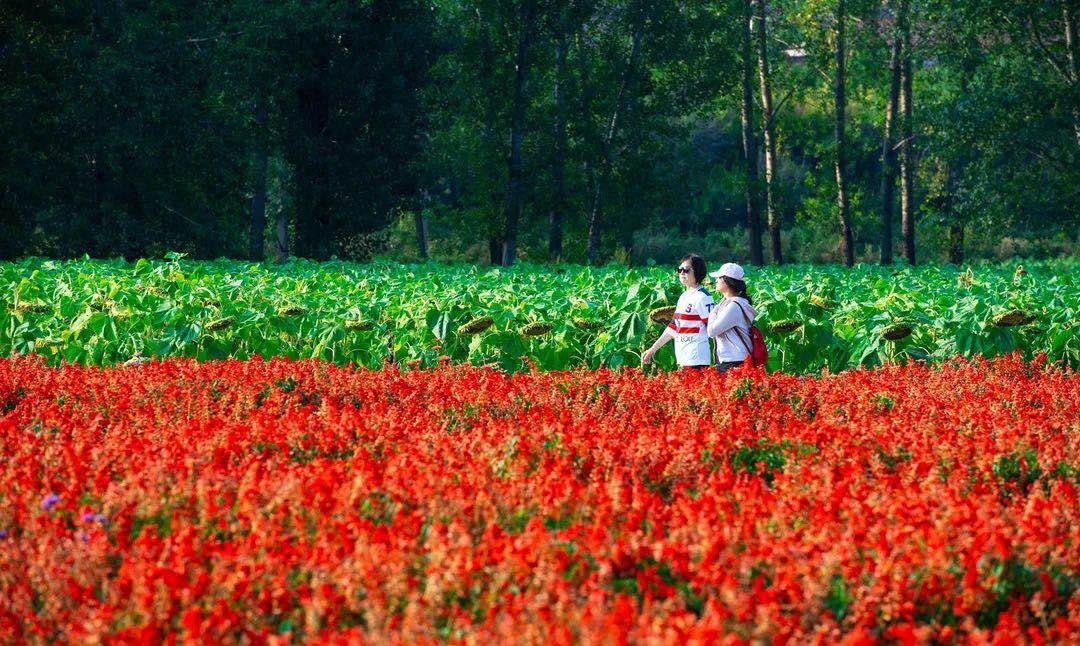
(730, 320)
(687, 327)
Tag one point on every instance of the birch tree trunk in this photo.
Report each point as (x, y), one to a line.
(588, 131)
(558, 171)
(593, 249)
(907, 160)
(97, 161)
(487, 67)
(281, 241)
(1068, 8)
(749, 143)
(768, 123)
(888, 147)
(956, 227)
(517, 122)
(420, 221)
(846, 238)
(257, 235)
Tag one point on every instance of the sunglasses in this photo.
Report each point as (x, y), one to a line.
(684, 270)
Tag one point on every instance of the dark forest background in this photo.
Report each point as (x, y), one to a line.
(578, 130)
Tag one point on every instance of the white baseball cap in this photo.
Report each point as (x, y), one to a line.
(731, 270)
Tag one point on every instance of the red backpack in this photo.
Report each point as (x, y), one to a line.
(759, 354)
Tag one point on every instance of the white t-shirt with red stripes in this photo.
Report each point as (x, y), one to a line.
(688, 328)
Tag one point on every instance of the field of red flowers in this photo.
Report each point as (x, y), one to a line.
(252, 500)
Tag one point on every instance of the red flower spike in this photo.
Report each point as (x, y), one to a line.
(281, 500)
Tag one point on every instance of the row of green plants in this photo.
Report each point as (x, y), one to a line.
(550, 317)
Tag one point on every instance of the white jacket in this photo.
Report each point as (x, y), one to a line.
(726, 316)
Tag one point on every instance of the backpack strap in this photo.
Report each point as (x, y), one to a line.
(743, 310)
(738, 332)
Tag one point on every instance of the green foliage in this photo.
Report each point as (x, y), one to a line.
(1017, 472)
(135, 128)
(838, 598)
(763, 458)
(108, 311)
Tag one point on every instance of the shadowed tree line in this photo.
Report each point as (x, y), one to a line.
(557, 130)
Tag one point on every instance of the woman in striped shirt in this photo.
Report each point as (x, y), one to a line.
(688, 326)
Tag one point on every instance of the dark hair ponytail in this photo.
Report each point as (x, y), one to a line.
(737, 286)
(697, 263)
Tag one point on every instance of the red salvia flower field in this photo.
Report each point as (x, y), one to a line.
(263, 501)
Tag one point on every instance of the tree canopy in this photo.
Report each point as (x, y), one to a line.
(546, 129)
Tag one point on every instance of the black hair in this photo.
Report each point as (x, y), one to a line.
(697, 263)
(737, 286)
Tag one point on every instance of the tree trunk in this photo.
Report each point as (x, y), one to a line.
(281, 236)
(258, 199)
(130, 195)
(517, 121)
(626, 233)
(768, 119)
(907, 161)
(846, 238)
(304, 205)
(487, 71)
(954, 171)
(593, 249)
(749, 144)
(956, 243)
(97, 161)
(1069, 9)
(420, 220)
(314, 228)
(558, 172)
(888, 147)
(588, 133)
